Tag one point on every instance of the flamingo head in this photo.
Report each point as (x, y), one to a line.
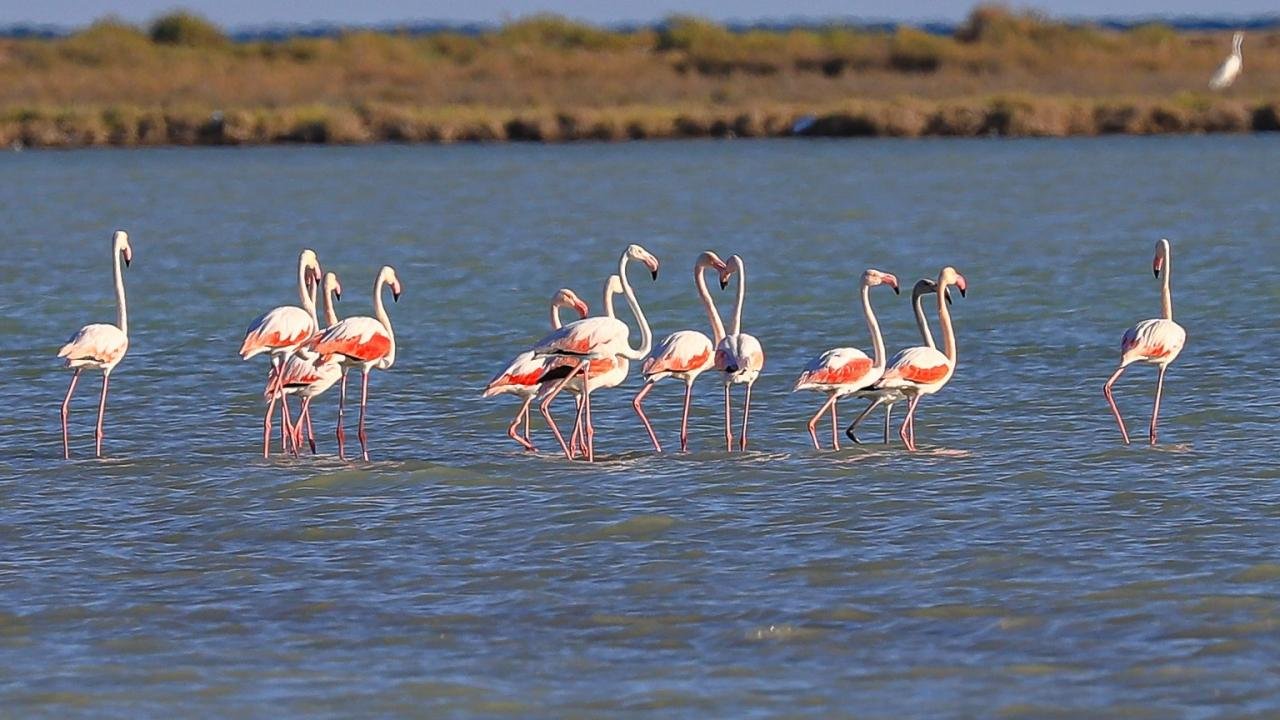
(332, 286)
(639, 254)
(710, 260)
(309, 265)
(387, 275)
(120, 241)
(1162, 254)
(873, 277)
(926, 286)
(732, 265)
(567, 298)
(949, 276)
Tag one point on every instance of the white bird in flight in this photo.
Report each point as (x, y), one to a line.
(1230, 69)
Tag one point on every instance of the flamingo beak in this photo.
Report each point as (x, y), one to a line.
(654, 273)
(582, 308)
(1157, 266)
(961, 285)
(128, 256)
(724, 280)
(892, 281)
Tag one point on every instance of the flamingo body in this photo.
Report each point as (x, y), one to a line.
(280, 330)
(740, 358)
(917, 370)
(1157, 341)
(594, 336)
(1230, 69)
(684, 354)
(840, 371)
(360, 339)
(99, 346)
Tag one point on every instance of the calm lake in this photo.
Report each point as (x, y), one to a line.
(1023, 563)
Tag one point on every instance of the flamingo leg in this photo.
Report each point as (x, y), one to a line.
(545, 409)
(746, 413)
(578, 441)
(342, 404)
(273, 393)
(364, 402)
(513, 428)
(684, 419)
(888, 413)
(66, 411)
(1155, 413)
(311, 433)
(286, 428)
(102, 410)
(728, 421)
(907, 432)
(852, 430)
(835, 439)
(1115, 410)
(636, 403)
(813, 421)
(588, 428)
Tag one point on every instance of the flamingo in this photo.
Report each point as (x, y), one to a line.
(1230, 69)
(1156, 341)
(597, 339)
(923, 370)
(523, 375)
(99, 346)
(845, 370)
(685, 354)
(739, 358)
(280, 332)
(306, 374)
(923, 286)
(365, 342)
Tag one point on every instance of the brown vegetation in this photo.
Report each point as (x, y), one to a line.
(181, 81)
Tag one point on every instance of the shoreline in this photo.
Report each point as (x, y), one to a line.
(346, 125)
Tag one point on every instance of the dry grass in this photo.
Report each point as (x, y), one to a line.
(546, 78)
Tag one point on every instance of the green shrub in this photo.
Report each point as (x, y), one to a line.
(184, 28)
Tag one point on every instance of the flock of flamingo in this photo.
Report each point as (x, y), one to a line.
(593, 353)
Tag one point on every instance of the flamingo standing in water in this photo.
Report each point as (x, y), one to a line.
(922, 370)
(685, 354)
(523, 376)
(306, 374)
(597, 339)
(888, 397)
(739, 358)
(1156, 341)
(280, 332)
(365, 342)
(99, 346)
(844, 370)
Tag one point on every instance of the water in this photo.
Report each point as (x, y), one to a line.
(1023, 563)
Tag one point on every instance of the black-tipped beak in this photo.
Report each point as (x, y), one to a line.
(962, 292)
(896, 291)
(337, 295)
(654, 273)
(724, 284)
(395, 297)
(1154, 271)
(126, 261)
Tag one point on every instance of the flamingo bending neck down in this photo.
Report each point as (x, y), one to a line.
(845, 370)
(99, 346)
(307, 375)
(922, 370)
(364, 342)
(889, 397)
(739, 358)
(524, 375)
(1155, 341)
(281, 332)
(594, 339)
(685, 354)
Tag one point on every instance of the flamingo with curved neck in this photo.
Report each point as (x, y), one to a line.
(739, 358)
(524, 375)
(307, 374)
(365, 342)
(888, 398)
(684, 354)
(593, 339)
(845, 370)
(99, 346)
(1157, 341)
(922, 370)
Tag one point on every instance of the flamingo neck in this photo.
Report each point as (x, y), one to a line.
(646, 336)
(307, 294)
(556, 323)
(330, 312)
(717, 325)
(742, 295)
(609, 292)
(944, 322)
(380, 312)
(877, 340)
(1166, 297)
(922, 322)
(122, 312)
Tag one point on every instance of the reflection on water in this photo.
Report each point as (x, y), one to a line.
(1022, 563)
